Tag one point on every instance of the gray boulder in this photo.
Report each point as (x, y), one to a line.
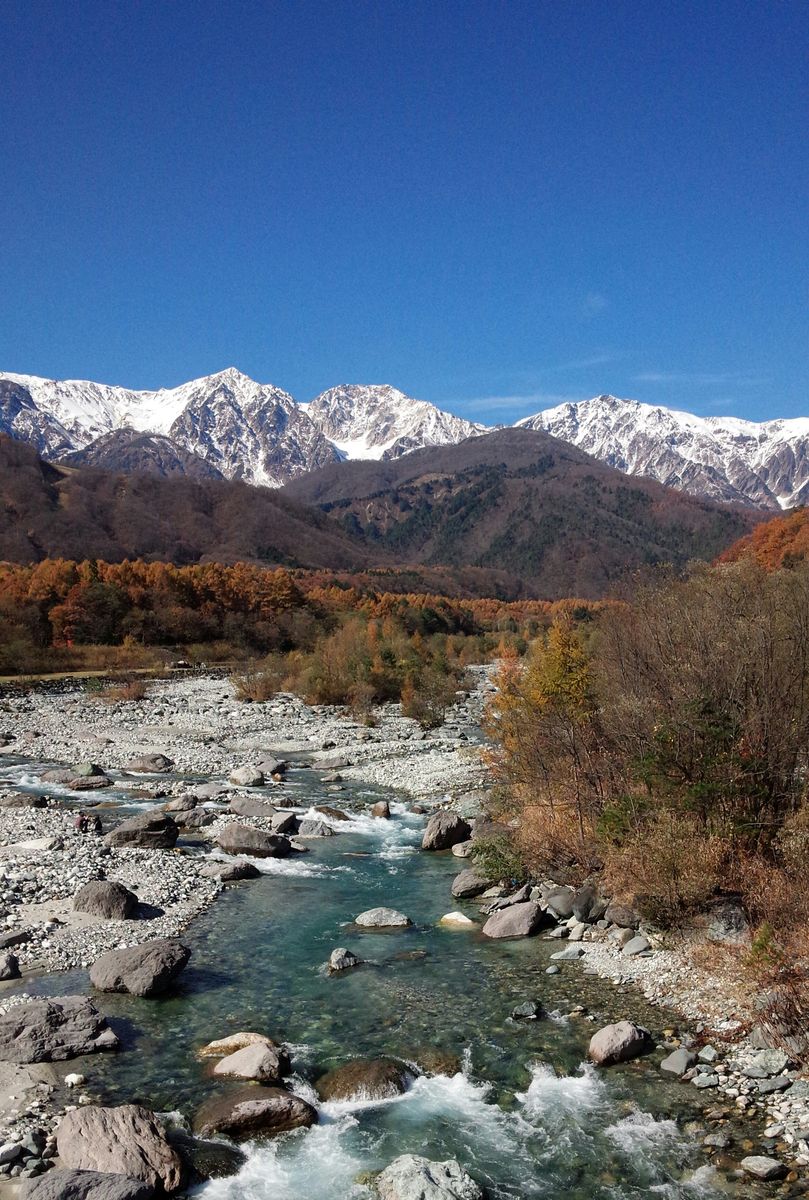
(150, 763)
(253, 1112)
(569, 954)
(53, 1030)
(247, 777)
(285, 822)
(342, 959)
(761, 1167)
(103, 898)
(622, 914)
(195, 818)
(86, 770)
(636, 945)
(127, 1140)
(560, 900)
(411, 1177)
(679, 1061)
(468, 884)
(365, 1079)
(265, 1063)
(9, 967)
(381, 809)
(726, 923)
(245, 839)
(151, 830)
(382, 918)
(85, 1185)
(146, 970)
(444, 830)
(252, 806)
(273, 766)
(619, 1043)
(518, 920)
(312, 828)
(230, 872)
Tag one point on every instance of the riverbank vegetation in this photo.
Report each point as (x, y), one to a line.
(665, 747)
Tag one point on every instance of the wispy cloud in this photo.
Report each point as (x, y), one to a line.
(525, 404)
(702, 378)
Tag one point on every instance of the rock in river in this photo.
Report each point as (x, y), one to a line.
(85, 1185)
(103, 898)
(247, 777)
(519, 920)
(245, 839)
(761, 1167)
(411, 1177)
(253, 1112)
(232, 1043)
(53, 1030)
(382, 918)
(150, 763)
(468, 884)
(365, 1079)
(265, 1063)
(252, 806)
(147, 831)
(342, 959)
(619, 1043)
(9, 966)
(444, 830)
(145, 970)
(230, 872)
(126, 1140)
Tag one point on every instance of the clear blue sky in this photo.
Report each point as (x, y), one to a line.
(490, 205)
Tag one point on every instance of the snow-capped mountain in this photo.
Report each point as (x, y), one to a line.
(765, 464)
(240, 428)
(382, 422)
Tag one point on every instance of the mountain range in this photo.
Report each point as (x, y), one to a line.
(227, 425)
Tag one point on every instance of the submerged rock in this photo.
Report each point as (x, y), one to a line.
(53, 1030)
(679, 1061)
(253, 1112)
(411, 1177)
(146, 970)
(365, 1079)
(127, 1140)
(619, 1043)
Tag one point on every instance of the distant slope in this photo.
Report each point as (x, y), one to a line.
(48, 511)
(781, 542)
(522, 502)
(765, 464)
(132, 452)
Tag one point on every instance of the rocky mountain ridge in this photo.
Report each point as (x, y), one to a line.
(230, 425)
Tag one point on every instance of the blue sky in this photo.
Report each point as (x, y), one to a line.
(494, 206)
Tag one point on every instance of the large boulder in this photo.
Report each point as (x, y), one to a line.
(309, 827)
(53, 1030)
(444, 830)
(411, 1177)
(247, 777)
(85, 1185)
(245, 839)
(622, 914)
(253, 1112)
(468, 884)
(103, 898)
(127, 1140)
(151, 830)
(285, 822)
(9, 966)
(150, 763)
(382, 918)
(233, 1042)
(560, 901)
(365, 1079)
(518, 920)
(381, 809)
(252, 806)
(146, 970)
(230, 872)
(619, 1043)
(762, 1167)
(265, 1063)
